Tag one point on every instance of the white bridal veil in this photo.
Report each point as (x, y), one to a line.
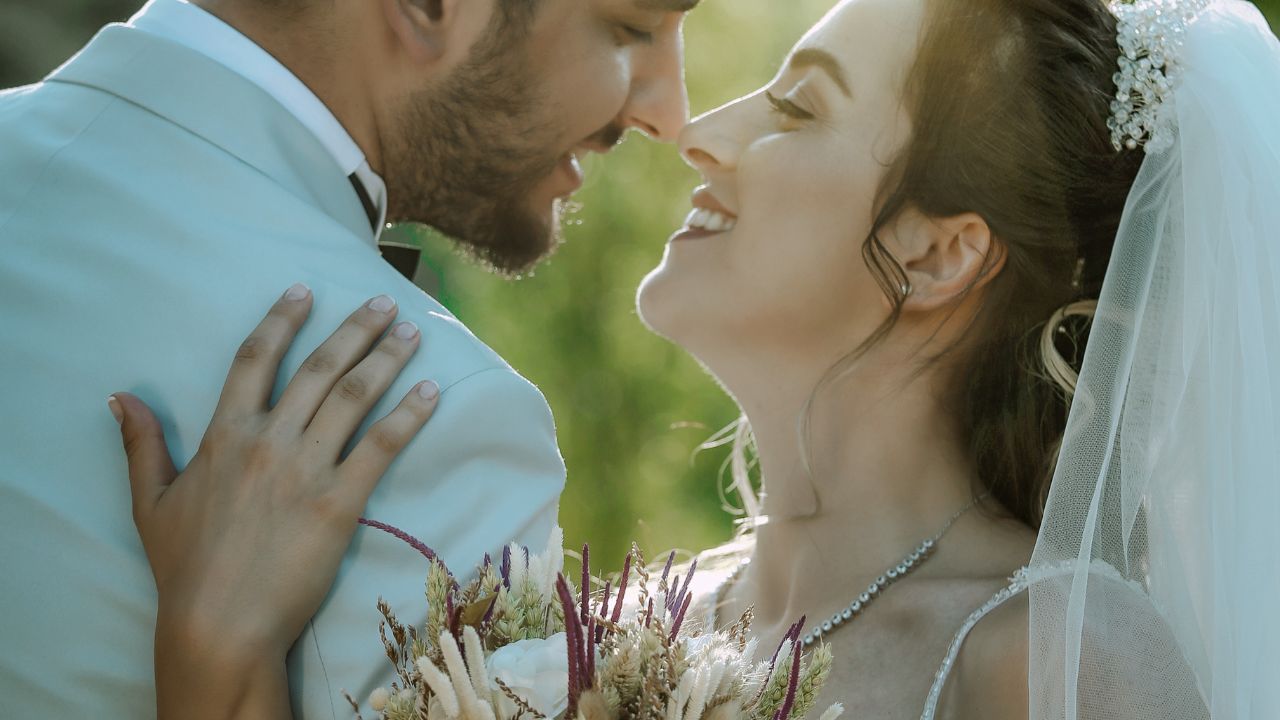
(1159, 556)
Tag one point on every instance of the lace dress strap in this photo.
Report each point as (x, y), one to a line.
(1017, 584)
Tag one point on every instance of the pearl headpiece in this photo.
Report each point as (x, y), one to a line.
(1150, 35)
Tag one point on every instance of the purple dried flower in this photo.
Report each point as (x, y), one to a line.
(573, 638)
(670, 560)
(412, 541)
(586, 583)
(648, 613)
(493, 605)
(684, 590)
(505, 569)
(679, 620)
(622, 589)
(792, 635)
(604, 601)
(604, 610)
(786, 637)
(589, 680)
(793, 683)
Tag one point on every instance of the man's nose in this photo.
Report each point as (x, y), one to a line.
(659, 101)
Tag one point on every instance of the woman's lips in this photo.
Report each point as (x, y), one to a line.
(704, 222)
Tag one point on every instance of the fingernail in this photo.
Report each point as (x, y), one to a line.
(297, 292)
(382, 304)
(429, 390)
(117, 412)
(405, 331)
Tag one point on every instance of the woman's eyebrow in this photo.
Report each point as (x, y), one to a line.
(813, 57)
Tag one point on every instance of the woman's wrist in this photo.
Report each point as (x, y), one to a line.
(225, 672)
(189, 631)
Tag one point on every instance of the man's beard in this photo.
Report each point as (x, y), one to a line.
(471, 151)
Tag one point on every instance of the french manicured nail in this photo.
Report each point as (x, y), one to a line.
(117, 412)
(429, 390)
(405, 331)
(297, 292)
(382, 304)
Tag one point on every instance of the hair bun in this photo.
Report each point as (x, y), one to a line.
(1064, 372)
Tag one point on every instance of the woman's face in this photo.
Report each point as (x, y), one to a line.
(772, 254)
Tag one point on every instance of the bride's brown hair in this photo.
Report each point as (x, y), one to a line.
(1009, 101)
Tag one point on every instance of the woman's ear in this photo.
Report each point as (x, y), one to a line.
(421, 27)
(945, 258)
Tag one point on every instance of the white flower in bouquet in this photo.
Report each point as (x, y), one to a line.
(536, 571)
(537, 670)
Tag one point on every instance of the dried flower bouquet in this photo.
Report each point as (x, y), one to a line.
(520, 642)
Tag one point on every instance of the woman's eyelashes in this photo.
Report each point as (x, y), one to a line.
(787, 108)
(630, 34)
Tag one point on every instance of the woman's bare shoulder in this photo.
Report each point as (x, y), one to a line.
(989, 680)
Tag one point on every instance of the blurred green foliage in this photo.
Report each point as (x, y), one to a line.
(631, 408)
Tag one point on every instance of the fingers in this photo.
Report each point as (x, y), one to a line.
(333, 359)
(257, 361)
(371, 457)
(355, 394)
(151, 468)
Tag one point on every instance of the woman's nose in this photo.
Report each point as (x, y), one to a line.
(710, 143)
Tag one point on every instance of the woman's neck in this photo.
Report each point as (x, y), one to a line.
(886, 470)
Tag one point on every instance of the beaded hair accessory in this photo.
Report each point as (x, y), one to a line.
(1151, 33)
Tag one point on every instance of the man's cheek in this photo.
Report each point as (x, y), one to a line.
(599, 98)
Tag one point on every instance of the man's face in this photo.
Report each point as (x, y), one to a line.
(489, 154)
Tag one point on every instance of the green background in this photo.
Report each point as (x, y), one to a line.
(631, 408)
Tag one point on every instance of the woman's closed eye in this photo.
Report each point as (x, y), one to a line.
(788, 108)
(629, 34)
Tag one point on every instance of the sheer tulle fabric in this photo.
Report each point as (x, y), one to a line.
(1159, 554)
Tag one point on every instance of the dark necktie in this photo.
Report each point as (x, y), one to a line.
(402, 257)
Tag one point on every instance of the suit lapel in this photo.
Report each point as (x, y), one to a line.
(209, 100)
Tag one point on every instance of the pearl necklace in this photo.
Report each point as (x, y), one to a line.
(859, 605)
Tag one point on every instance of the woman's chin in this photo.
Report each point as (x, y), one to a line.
(658, 305)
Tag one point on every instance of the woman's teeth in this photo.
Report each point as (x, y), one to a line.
(702, 219)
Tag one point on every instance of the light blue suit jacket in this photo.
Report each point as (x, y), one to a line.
(153, 204)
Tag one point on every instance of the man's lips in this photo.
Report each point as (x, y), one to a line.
(570, 171)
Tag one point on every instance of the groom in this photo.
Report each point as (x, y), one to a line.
(163, 187)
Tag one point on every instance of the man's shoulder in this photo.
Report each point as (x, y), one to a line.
(37, 123)
(469, 359)
(48, 115)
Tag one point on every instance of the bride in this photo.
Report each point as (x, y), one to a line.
(902, 247)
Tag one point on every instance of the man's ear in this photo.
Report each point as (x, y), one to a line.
(421, 26)
(945, 257)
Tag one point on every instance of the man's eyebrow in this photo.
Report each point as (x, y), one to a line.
(813, 57)
(675, 6)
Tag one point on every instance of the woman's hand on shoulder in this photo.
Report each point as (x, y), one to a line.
(246, 541)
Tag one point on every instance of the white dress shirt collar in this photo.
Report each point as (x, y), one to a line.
(181, 22)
